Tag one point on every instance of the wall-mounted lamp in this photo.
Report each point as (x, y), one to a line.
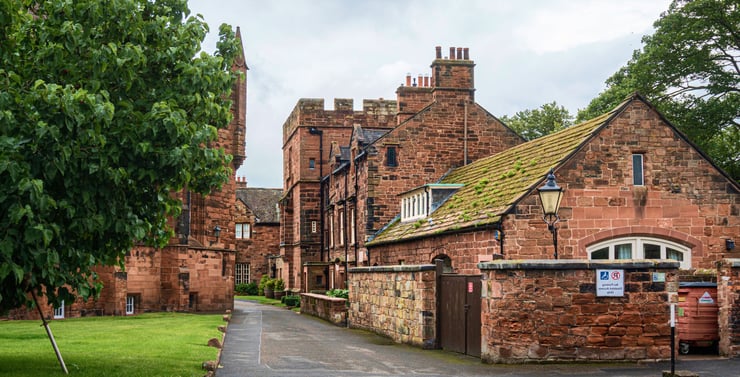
(216, 233)
(550, 196)
(729, 244)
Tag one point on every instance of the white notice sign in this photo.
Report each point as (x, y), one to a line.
(609, 283)
(706, 298)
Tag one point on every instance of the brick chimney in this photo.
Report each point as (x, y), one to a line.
(453, 77)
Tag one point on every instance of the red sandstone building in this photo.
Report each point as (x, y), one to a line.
(440, 178)
(634, 188)
(344, 169)
(257, 233)
(195, 272)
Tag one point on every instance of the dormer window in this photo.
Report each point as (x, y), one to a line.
(422, 201)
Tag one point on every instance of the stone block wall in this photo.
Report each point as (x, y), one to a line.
(548, 310)
(465, 250)
(728, 297)
(332, 309)
(396, 301)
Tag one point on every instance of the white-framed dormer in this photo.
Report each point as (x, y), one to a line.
(420, 202)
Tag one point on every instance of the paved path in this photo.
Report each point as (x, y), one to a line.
(267, 341)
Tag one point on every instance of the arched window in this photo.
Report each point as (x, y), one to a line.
(640, 248)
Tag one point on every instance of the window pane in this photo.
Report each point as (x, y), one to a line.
(238, 232)
(637, 171)
(247, 231)
(651, 251)
(390, 157)
(674, 254)
(623, 251)
(600, 254)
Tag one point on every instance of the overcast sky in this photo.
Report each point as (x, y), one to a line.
(527, 53)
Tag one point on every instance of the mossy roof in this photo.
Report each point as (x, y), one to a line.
(494, 184)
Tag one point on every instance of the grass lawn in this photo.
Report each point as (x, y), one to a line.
(154, 344)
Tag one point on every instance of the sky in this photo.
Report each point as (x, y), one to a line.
(527, 53)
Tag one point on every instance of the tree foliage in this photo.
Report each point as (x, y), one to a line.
(689, 68)
(531, 124)
(105, 109)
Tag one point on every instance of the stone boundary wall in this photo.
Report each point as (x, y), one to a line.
(332, 309)
(728, 297)
(395, 301)
(547, 310)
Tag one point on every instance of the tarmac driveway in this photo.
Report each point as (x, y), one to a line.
(268, 341)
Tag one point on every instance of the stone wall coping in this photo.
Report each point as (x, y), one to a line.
(732, 262)
(324, 297)
(398, 268)
(579, 264)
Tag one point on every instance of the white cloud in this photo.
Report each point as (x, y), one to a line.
(527, 53)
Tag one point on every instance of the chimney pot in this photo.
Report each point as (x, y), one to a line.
(452, 53)
(459, 53)
(438, 50)
(466, 53)
(426, 80)
(408, 79)
(414, 84)
(421, 80)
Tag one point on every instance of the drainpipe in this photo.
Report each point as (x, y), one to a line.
(346, 246)
(320, 133)
(354, 226)
(465, 135)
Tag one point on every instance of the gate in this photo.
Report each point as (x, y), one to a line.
(460, 311)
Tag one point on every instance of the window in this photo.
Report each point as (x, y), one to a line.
(312, 163)
(640, 248)
(130, 300)
(341, 228)
(352, 239)
(331, 230)
(242, 231)
(59, 311)
(391, 158)
(241, 275)
(638, 175)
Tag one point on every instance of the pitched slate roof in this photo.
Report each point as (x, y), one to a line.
(262, 202)
(494, 184)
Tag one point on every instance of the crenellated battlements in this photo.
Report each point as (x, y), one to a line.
(313, 112)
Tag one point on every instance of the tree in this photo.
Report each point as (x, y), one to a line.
(531, 124)
(106, 109)
(689, 69)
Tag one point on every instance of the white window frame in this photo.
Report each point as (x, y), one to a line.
(130, 304)
(243, 231)
(341, 228)
(637, 245)
(242, 272)
(352, 239)
(415, 205)
(59, 311)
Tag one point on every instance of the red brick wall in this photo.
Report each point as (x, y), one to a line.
(465, 250)
(548, 310)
